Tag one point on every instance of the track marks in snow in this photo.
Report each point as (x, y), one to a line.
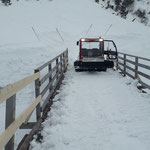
(97, 110)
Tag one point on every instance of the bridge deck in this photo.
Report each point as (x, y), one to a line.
(99, 110)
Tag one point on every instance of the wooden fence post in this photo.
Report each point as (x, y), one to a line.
(61, 69)
(117, 63)
(124, 64)
(136, 67)
(64, 61)
(10, 117)
(67, 57)
(57, 68)
(37, 93)
(50, 78)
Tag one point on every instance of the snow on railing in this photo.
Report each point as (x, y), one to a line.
(135, 67)
(56, 68)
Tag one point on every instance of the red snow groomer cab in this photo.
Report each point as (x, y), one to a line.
(93, 56)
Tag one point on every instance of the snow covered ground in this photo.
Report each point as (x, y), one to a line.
(21, 52)
(97, 111)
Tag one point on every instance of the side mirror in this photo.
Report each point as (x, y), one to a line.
(77, 42)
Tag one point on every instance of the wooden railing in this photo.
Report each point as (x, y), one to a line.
(56, 67)
(8, 94)
(135, 67)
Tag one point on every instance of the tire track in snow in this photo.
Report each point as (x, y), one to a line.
(98, 110)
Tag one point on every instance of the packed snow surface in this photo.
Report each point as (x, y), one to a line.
(98, 110)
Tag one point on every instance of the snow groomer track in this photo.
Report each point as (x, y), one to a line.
(97, 110)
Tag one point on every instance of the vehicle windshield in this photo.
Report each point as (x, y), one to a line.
(91, 49)
(91, 45)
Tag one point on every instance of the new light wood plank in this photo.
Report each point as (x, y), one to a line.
(12, 89)
(10, 131)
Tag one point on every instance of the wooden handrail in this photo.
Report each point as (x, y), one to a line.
(125, 64)
(134, 56)
(8, 94)
(9, 132)
(49, 62)
(11, 89)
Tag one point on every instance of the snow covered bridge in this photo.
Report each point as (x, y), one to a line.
(100, 110)
(97, 110)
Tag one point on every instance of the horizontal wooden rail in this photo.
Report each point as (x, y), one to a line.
(131, 76)
(130, 68)
(121, 69)
(126, 62)
(119, 57)
(8, 94)
(61, 62)
(9, 132)
(134, 56)
(144, 66)
(49, 96)
(49, 62)
(11, 89)
(144, 75)
(120, 63)
(49, 85)
(47, 76)
(56, 69)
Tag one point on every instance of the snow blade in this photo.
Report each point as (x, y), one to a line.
(93, 66)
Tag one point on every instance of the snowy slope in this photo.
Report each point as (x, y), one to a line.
(138, 11)
(21, 52)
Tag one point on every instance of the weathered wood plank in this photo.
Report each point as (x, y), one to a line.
(47, 75)
(120, 63)
(144, 66)
(135, 56)
(131, 76)
(12, 89)
(51, 61)
(29, 125)
(121, 69)
(51, 93)
(49, 84)
(29, 137)
(143, 74)
(124, 62)
(136, 67)
(37, 93)
(9, 118)
(126, 73)
(130, 68)
(131, 62)
(10, 131)
(119, 57)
